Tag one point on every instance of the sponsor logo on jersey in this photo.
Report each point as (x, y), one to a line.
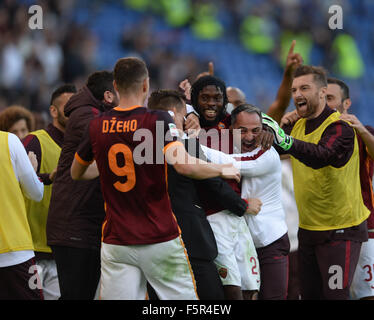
(173, 130)
(221, 125)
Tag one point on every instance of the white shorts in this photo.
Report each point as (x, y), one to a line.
(48, 276)
(237, 261)
(125, 271)
(363, 279)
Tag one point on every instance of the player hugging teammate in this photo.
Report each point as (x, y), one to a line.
(189, 193)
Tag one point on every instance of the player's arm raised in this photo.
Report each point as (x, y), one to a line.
(280, 104)
(184, 164)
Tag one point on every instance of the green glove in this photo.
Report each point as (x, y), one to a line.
(280, 138)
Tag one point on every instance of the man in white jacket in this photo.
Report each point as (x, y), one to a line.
(261, 178)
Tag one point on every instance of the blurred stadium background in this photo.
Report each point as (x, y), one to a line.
(246, 39)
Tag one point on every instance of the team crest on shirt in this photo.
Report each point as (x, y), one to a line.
(222, 272)
(221, 125)
(173, 130)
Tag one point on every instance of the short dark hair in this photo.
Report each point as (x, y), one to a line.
(65, 88)
(99, 82)
(166, 99)
(319, 74)
(245, 107)
(344, 88)
(203, 82)
(129, 73)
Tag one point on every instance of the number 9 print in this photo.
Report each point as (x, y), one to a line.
(127, 170)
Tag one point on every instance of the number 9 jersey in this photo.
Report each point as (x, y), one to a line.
(128, 146)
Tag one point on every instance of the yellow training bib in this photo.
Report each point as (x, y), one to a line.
(327, 198)
(14, 229)
(37, 212)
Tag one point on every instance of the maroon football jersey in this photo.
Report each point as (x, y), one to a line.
(218, 137)
(222, 141)
(128, 146)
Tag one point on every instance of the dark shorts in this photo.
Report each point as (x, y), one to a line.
(78, 272)
(20, 282)
(274, 269)
(208, 282)
(326, 268)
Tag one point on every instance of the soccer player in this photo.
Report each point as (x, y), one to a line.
(141, 240)
(209, 99)
(236, 259)
(46, 145)
(325, 160)
(196, 231)
(261, 178)
(236, 97)
(17, 120)
(76, 210)
(17, 263)
(338, 98)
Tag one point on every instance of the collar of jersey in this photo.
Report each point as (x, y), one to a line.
(246, 154)
(118, 108)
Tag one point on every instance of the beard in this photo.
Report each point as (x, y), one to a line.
(340, 108)
(109, 106)
(61, 119)
(308, 108)
(211, 123)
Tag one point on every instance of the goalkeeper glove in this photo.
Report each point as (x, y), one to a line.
(280, 138)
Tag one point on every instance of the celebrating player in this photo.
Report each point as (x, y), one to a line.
(325, 161)
(237, 260)
(261, 172)
(196, 231)
(141, 240)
